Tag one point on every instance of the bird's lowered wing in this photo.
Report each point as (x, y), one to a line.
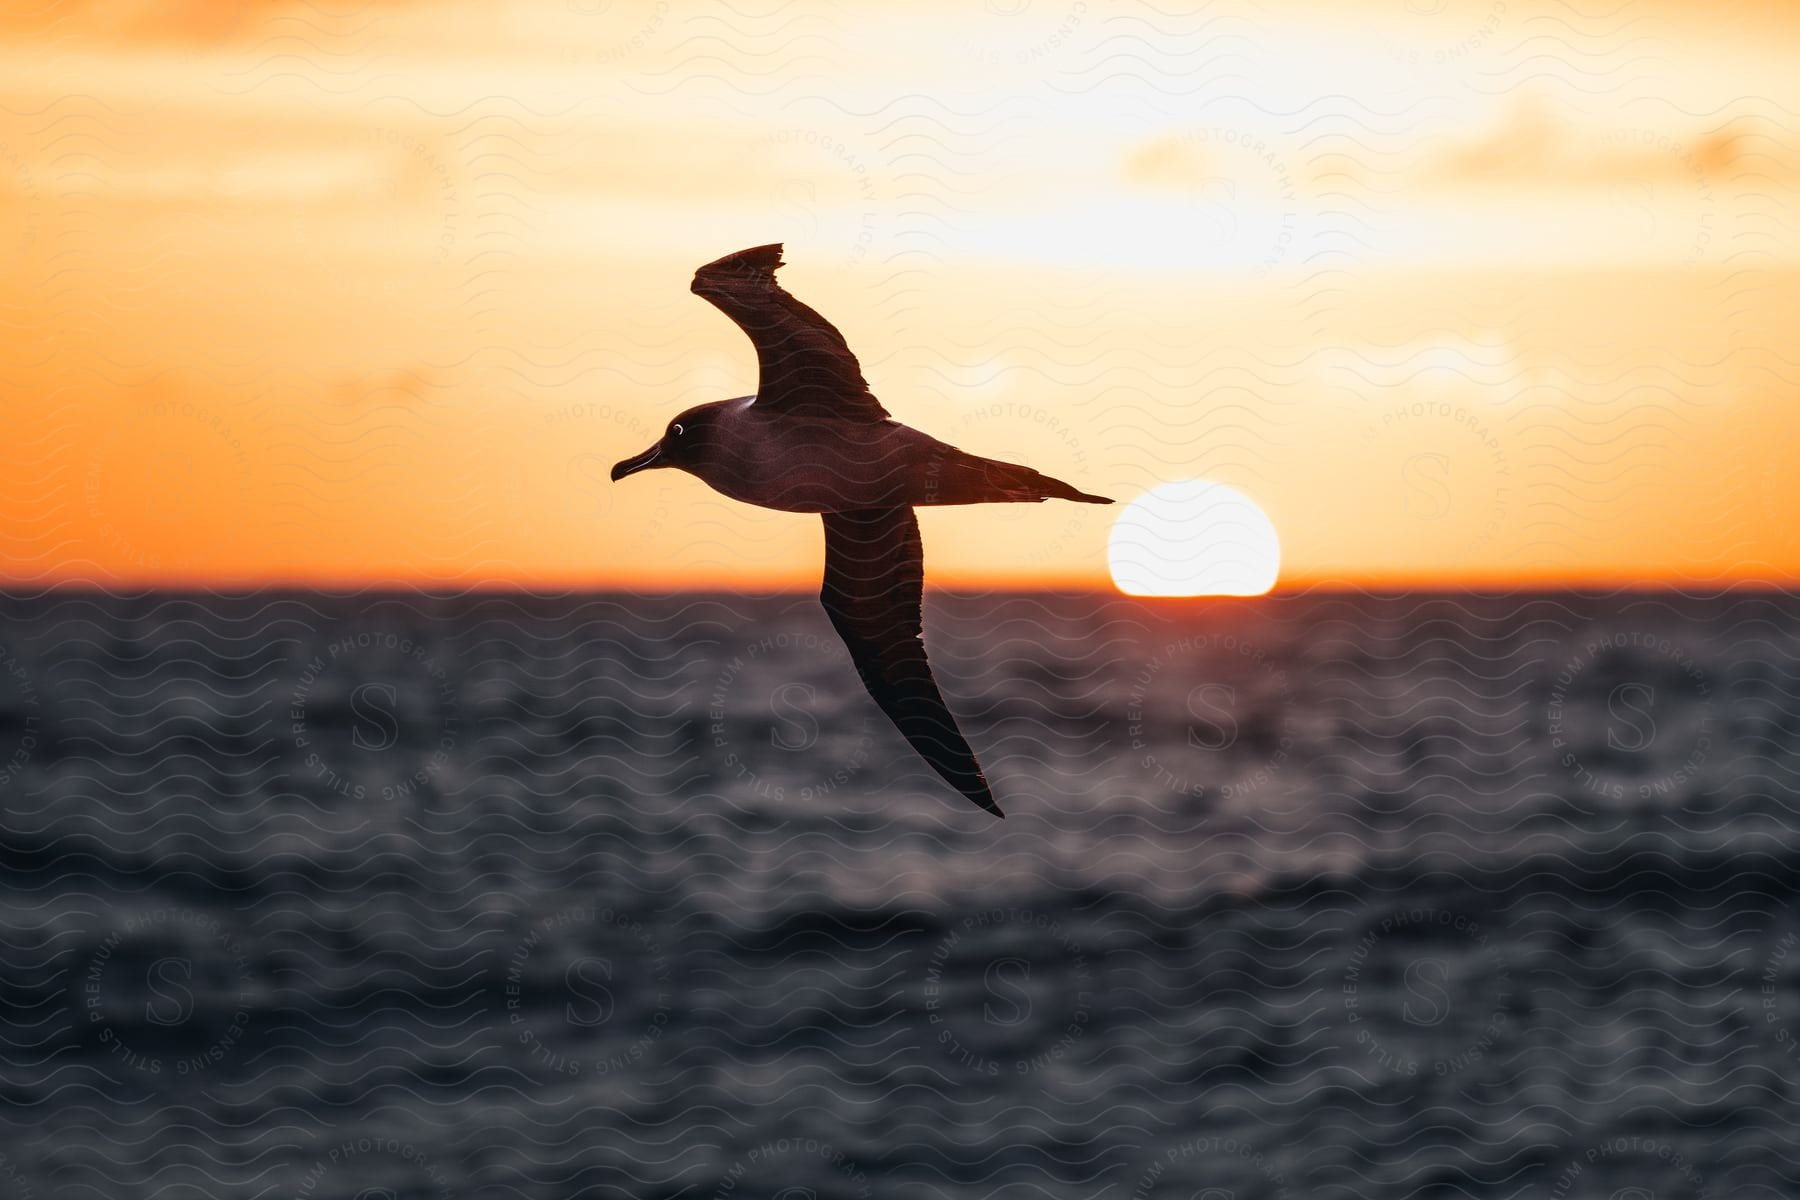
(873, 593)
(805, 366)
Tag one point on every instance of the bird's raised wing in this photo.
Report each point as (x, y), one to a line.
(874, 589)
(805, 366)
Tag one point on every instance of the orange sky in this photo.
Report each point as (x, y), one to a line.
(1455, 290)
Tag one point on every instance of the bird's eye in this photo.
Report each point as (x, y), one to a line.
(676, 429)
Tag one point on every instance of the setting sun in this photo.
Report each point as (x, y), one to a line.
(1193, 538)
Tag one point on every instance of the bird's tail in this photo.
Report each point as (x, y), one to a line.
(1013, 482)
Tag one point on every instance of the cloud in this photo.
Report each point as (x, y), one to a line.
(1532, 147)
(154, 22)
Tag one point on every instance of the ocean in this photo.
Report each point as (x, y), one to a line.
(1313, 895)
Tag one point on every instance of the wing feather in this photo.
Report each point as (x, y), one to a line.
(804, 365)
(874, 595)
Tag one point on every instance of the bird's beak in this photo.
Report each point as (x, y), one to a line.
(638, 462)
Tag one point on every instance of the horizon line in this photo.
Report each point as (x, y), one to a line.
(754, 588)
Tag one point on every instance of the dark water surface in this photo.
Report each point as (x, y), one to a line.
(1313, 896)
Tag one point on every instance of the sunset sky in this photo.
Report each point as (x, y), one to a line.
(1457, 291)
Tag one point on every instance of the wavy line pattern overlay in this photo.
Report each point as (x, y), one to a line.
(465, 883)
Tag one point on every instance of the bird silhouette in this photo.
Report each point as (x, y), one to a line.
(814, 439)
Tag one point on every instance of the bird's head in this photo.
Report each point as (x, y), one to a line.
(682, 444)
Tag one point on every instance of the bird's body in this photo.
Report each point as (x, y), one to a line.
(823, 464)
(813, 439)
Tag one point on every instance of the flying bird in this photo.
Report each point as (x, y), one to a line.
(814, 439)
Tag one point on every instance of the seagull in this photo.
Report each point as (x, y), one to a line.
(814, 439)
